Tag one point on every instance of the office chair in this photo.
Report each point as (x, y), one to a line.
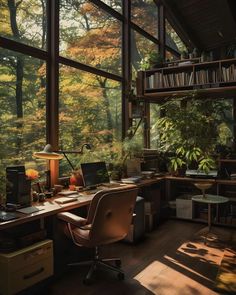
(109, 219)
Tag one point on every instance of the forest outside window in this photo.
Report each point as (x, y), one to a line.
(89, 111)
(22, 112)
(114, 4)
(90, 36)
(140, 48)
(173, 40)
(145, 14)
(24, 21)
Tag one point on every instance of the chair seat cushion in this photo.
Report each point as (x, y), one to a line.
(81, 236)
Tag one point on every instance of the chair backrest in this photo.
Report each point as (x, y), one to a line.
(110, 214)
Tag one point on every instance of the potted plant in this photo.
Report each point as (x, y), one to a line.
(190, 134)
(118, 152)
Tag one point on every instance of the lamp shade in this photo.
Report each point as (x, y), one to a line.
(48, 154)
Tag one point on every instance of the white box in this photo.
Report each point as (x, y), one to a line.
(184, 207)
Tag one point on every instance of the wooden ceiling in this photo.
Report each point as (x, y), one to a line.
(204, 24)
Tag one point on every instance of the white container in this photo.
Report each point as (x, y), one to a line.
(184, 207)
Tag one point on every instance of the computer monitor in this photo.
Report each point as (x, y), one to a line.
(94, 174)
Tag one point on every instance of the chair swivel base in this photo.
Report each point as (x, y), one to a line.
(96, 263)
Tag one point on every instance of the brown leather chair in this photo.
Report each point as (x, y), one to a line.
(109, 218)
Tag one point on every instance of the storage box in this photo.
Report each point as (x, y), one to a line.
(184, 207)
(25, 267)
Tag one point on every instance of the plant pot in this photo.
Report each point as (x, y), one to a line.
(76, 178)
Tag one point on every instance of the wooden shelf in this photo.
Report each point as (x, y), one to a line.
(227, 160)
(209, 79)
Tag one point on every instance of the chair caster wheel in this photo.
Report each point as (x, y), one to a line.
(118, 263)
(121, 276)
(87, 282)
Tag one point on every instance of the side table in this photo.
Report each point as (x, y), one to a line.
(210, 199)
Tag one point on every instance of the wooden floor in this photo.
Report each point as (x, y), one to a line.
(172, 260)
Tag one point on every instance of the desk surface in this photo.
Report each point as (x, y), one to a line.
(50, 207)
(47, 208)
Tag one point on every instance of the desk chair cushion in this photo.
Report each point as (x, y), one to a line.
(76, 228)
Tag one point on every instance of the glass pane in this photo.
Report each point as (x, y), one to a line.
(90, 36)
(173, 40)
(22, 112)
(140, 49)
(115, 4)
(89, 111)
(24, 21)
(154, 135)
(144, 14)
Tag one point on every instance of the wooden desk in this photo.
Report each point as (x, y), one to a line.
(49, 208)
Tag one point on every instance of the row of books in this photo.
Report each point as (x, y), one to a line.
(229, 73)
(159, 80)
(208, 76)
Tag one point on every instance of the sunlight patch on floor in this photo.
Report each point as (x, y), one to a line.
(161, 279)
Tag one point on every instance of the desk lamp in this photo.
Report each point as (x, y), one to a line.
(48, 154)
(88, 146)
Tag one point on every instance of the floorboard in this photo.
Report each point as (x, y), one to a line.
(172, 260)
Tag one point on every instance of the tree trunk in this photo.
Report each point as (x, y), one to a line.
(19, 68)
(110, 126)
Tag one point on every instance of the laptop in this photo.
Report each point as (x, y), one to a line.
(96, 174)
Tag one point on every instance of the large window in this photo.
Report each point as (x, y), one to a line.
(91, 85)
(90, 111)
(90, 36)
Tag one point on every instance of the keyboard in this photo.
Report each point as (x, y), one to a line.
(29, 210)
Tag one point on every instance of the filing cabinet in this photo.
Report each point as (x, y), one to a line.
(25, 267)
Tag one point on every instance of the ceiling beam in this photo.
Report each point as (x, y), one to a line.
(176, 20)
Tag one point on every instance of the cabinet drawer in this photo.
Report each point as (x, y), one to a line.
(27, 277)
(20, 259)
(22, 269)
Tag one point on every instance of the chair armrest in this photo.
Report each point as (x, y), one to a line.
(72, 218)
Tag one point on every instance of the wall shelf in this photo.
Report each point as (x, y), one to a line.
(208, 79)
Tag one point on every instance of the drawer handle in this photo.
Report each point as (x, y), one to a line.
(30, 275)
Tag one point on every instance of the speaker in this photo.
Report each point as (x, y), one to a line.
(18, 187)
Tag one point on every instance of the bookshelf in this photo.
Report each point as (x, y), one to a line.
(212, 78)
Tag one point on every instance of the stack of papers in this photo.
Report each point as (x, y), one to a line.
(134, 179)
